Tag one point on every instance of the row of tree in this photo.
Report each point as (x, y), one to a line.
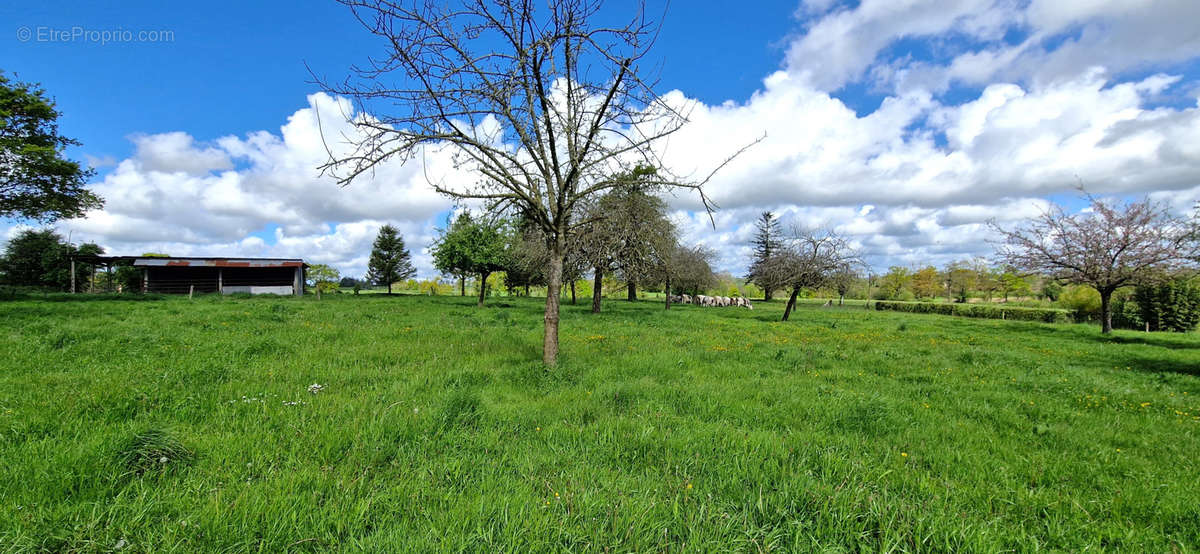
(624, 233)
(1110, 247)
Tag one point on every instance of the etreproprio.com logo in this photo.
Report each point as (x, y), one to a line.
(81, 34)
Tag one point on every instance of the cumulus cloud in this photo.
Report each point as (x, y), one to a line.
(185, 197)
(1065, 93)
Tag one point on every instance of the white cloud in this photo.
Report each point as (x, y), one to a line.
(913, 182)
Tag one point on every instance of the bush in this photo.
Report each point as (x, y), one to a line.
(1173, 305)
(1083, 300)
(978, 310)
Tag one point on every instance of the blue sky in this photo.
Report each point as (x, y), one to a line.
(906, 125)
(236, 67)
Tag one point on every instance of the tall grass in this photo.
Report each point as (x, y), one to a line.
(705, 429)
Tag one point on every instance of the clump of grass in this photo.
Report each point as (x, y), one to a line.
(461, 411)
(154, 451)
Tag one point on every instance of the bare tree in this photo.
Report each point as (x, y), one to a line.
(842, 279)
(809, 258)
(689, 270)
(544, 104)
(1112, 247)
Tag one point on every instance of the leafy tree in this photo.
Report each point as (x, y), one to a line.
(925, 283)
(895, 282)
(36, 180)
(767, 240)
(41, 258)
(1051, 289)
(626, 231)
(960, 280)
(1012, 283)
(390, 260)
(323, 277)
(1112, 247)
(645, 238)
(472, 246)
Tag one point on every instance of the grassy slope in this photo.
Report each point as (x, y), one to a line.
(713, 429)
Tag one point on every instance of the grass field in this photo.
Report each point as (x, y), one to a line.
(165, 425)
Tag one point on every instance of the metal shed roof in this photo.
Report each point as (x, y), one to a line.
(194, 261)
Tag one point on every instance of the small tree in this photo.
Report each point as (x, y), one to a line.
(390, 260)
(1112, 247)
(323, 277)
(842, 279)
(767, 240)
(36, 180)
(472, 246)
(808, 259)
(1012, 283)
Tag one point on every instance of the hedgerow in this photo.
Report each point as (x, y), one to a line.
(978, 310)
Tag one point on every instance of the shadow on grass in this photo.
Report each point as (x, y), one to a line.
(1158, 365)
(1173, 341)
(81, 297)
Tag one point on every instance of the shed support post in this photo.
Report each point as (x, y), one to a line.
(72, 275)
(145, 280)
(298, 282)
(220, 281)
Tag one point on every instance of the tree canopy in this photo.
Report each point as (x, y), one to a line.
(472, 246)
(1109, 247)
(36, 180)
(41, 258)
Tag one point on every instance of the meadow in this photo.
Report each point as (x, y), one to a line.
(176, 425)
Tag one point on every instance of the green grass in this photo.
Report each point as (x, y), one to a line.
(174, 425)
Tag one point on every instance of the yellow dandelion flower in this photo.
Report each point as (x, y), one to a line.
(904, 454)
(689, 486)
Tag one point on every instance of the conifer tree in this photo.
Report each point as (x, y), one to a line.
(390, 260)
(766, 243)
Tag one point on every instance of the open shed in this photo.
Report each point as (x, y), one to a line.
(183, 275)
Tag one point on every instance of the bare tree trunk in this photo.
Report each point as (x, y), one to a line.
(787, 311)
(553, 290)
(667, 290)
(632, 292)
(1106, 311)
(766, 294)
(526, 290)
(462, 285)
(482, 287)
(389, 286)
(572, 293)
(597, 290)
(841, 300)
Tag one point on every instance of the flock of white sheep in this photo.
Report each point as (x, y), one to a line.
(702, 300)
